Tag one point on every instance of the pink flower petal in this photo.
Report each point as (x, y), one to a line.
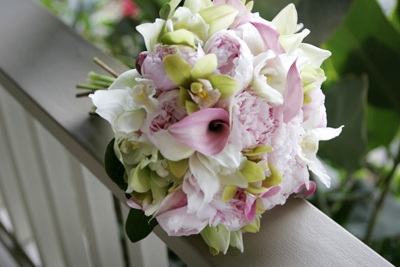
(173, 201)
(270, 37)
(293, 98)
(307, 192)
(250, 207)
(206, 131)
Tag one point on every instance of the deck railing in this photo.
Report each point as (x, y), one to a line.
(53, 187)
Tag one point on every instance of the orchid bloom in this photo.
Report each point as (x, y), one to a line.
(199, 89)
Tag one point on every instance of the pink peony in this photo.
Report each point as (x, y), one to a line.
(253, 121)
(170, 112)
(153, 68)
(230, 214)
(233, 56)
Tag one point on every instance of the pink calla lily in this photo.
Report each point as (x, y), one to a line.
(206, 131)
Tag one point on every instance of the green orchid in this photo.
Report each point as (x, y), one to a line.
(199, 89)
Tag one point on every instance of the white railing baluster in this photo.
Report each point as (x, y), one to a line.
(101, 220)
(11, 189)
(63, 194)
(19, 127)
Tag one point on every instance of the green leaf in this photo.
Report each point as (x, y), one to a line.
(178, 70)
(114, 168)
(346, 105)
(219, 17)
(366, 42)
(165, 11)
(138, 225)
(204, 67)
(226, 85)
(179, 37)
(382, 126)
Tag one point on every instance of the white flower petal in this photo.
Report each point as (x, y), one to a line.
(318, 169)
(286, 21)
(150, 32)
(170, 147)
(328, 133)
(126, 79)
(129, 121)
(207, 180)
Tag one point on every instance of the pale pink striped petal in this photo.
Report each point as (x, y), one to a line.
(293, 97)
(270, 37)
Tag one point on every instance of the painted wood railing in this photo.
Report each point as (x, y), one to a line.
(53, 187)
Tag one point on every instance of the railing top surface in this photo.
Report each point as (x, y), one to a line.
(41, 60)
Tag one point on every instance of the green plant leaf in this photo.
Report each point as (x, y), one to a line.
(138, 225)
(382, 126)
(114, 168)
(346, 105)
(366, 42)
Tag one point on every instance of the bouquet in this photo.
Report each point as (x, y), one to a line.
(219, 122)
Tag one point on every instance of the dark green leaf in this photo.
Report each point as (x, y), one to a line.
(114, 168)
(382, 126)
(164, 11)
(320, 16)
(345, 104)
(367, 42)
(138, 225)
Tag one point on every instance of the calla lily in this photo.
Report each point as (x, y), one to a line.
(206, 131)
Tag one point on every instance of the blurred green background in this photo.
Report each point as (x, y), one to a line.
(362, 93)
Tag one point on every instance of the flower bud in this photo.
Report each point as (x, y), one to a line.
(139, 61)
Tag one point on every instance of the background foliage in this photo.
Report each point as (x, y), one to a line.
(362, 93)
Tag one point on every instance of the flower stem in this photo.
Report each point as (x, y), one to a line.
(83, 94)
(104, 66)
(387, 182)
(91, 87)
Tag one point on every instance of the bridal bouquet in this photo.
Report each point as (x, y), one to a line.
(220, 121)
